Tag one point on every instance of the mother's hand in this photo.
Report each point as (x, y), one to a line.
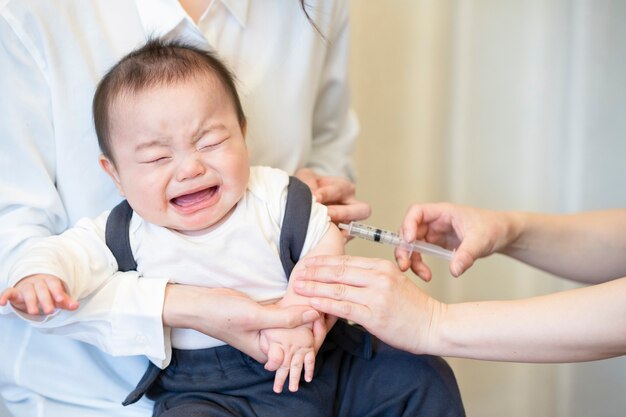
(373, 293)
(229, 316)
(336, 193)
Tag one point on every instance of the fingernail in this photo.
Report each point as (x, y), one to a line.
(298, 284)
(315, 302)
(454, 268)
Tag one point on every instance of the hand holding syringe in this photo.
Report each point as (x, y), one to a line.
(384, 236)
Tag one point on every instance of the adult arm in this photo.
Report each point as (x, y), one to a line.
(229, 315)
(577, 325)
(586, 247)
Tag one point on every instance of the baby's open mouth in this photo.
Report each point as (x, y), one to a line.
(187, 200)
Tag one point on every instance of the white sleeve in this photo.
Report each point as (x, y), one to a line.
(31, 206)
(272, 185)
(318, 225)
(116, 301)
(335, 125)
(79, 257)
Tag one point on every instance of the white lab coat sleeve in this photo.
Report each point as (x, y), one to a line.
(335, 125)
(32, 208)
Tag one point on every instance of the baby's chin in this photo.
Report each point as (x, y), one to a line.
(201, 226)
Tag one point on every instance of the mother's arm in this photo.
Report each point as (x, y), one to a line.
(229, 315)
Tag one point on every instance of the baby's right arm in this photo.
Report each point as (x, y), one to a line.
(289, 351)
(38, 294)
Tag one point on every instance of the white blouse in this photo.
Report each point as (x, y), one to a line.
(294, 89)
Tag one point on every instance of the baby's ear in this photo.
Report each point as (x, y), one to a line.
(109, 167)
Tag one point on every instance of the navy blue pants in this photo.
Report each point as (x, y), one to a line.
(356, 375)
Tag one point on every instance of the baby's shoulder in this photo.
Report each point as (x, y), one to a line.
(266, 183)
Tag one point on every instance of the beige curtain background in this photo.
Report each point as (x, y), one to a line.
(506, 104)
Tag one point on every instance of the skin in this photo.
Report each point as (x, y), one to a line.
(569, 326)
(195, 8)
(179, 155)
(338, 194)
(235, 318)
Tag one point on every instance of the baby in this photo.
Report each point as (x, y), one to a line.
(172, 134)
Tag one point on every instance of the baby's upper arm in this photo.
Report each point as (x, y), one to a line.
(331, 243)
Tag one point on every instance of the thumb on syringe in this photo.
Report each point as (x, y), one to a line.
(461, 261)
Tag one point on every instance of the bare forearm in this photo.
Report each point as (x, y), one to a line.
(578, 325)
(229, 315)
(195, 308)
(586, 247)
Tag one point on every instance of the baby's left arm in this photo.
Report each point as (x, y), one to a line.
(291, 350)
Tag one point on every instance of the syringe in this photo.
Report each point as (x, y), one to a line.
(390, 238)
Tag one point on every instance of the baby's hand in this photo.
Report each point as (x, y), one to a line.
(288, 352)
(37, 294)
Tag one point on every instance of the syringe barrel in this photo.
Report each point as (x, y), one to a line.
(376, 235)
(373, 234)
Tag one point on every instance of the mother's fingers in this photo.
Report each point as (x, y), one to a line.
(335, 291)
(288, 317)
(354, 271)
(352, 211)
(344, 260)
(334, 190)
(348, 310)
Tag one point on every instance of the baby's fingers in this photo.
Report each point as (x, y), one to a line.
(43, 298)
(279, 379)
(309, 365)
(10, 295)
(295, 371)
(61, 298)
(275, 356)
(26, 299)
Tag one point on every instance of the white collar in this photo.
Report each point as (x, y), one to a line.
(159, 17)
(239, 10)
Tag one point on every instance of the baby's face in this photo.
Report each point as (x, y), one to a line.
(180, 155)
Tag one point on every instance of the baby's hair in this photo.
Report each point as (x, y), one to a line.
(158, 62)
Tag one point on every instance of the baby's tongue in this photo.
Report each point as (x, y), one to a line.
(190, 199)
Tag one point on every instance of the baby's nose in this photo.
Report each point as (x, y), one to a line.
(190, 167)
